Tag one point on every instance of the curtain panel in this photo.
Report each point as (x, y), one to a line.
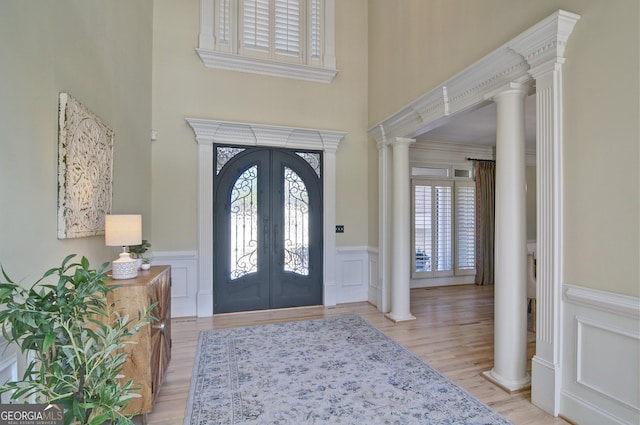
(485, 220)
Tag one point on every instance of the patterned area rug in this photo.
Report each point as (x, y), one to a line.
(329, 371)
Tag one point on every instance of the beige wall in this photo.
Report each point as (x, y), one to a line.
(415, 47)
(100, 53)
(183, 87)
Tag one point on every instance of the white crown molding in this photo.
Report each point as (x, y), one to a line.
(516, 61)
(472, 150)
(250, 134)
(231, 62)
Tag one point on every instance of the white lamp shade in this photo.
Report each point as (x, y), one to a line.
(122, 229)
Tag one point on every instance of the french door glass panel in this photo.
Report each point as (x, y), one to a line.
(296, 224)
(244, 224)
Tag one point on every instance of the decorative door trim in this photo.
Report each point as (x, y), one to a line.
(210, 132)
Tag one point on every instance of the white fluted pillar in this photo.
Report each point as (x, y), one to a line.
(382, 298)
(510, 311)
(401, 243)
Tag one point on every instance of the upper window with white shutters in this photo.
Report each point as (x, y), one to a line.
(285, 38)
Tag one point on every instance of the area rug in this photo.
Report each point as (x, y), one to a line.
(328, 371)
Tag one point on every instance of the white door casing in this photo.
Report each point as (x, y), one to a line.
(208, 132)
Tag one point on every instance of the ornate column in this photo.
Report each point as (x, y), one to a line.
(401, 239)
(546, 370)
(382, 297)
(510, 311)
(545, 56)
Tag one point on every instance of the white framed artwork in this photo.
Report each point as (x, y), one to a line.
(85, 170)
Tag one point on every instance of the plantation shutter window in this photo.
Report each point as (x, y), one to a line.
(285, 38)
(443, 226)
(422, 228)
(315, 33)
(432, 225)
(465, 227)
(287, 27)
(255, 25)
(223, 25)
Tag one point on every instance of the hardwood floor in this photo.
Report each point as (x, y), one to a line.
(453, 332)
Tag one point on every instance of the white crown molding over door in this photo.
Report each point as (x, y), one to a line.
(536, 54)
(210, 132)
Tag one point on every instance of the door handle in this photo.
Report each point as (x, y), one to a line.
(265, 234)
(276, 239)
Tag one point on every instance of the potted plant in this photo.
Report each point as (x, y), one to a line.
(76, 343)
(136, 251)
(146, 263)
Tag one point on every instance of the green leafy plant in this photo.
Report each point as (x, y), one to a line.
(136, 251)
(76, 341)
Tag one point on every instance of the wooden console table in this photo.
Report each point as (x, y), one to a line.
(149, 357)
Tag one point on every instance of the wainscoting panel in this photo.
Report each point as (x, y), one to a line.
(374, 295)
(184, 280)
(601, 352)
(354, 276)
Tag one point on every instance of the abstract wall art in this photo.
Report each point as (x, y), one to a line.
(85, 170)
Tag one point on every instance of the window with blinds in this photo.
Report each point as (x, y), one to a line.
(281, 30)
(255, 28)
(443, 228)
(465, 232)
(223, 25)
(282, 38)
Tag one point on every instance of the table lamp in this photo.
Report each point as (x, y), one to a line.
(123, 230)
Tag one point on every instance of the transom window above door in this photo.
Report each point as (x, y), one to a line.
(285, 38)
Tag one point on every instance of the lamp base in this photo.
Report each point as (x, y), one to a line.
(124, 267)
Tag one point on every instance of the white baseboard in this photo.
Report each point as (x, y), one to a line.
(601, 352)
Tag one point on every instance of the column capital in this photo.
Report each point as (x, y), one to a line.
(402, 141)
(512, 87)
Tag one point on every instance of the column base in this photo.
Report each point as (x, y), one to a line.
(399, 318)
(509, 385)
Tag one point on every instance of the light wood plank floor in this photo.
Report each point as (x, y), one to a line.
(453, 332)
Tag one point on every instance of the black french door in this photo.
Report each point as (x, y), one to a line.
(267, 224)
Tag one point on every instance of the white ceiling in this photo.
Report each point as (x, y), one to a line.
(479, 126)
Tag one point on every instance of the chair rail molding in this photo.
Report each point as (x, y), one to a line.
(208, 132)
(536, 55)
